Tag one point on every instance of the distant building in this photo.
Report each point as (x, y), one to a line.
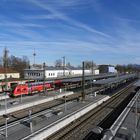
(96, 72)
(52, 72)
(9, 73)
(107, 69)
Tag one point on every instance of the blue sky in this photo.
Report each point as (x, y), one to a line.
(105, 31)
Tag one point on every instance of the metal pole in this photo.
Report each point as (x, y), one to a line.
(6, 135)
(44, 77)
(65, 87)
(34, 54)
(65, 103)
(91, 85)
(136, 121)
(92, 67)
(5, 104)
(63, 65)
(20, 94)
(6, 119)
(5, 66)
(30, 121)
(21, 98)
(83, 82)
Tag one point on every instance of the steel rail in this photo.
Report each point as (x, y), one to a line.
(75, 128)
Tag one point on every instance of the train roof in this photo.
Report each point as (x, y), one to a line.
(38, 83)
(87, 77)
(114, 80)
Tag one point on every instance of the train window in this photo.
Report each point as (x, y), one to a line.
(24, 89)
(18, 90)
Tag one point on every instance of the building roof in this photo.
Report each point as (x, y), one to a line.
(106, 65)
(7, 70)
(61, 68)
(56, 68)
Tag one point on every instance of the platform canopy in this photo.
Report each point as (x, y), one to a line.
(114, 80)
(137, 84)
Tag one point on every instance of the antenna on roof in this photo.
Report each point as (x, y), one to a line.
(34, 55)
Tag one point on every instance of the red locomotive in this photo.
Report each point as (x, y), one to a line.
(35, 87)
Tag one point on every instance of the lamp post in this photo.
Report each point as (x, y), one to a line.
(6, 119)
(91, 85)
(44, 77)
(5, 57)
(21, 93)
(136, 114)
(30, 121)
(5, 103)
(21, 97)
(83, 81)
(65, 105)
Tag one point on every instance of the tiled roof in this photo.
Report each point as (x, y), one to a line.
(7, 70)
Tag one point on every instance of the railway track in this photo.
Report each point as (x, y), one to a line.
(38, 108)
(82, 126)
(19, 116)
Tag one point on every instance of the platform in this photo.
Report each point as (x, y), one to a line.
(127, 126)
(17, 104)
(57, 117)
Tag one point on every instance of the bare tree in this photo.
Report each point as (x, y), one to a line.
(58, 63)
(19, 64)
(1, 61)
(69, 64)
(89, 64)
(5, 58)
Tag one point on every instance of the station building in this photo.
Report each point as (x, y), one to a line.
(52, 72)
(9, 73)
(107, 69)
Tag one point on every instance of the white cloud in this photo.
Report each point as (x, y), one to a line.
(13, 24)
(61, 16)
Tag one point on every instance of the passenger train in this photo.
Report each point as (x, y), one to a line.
(35, 87)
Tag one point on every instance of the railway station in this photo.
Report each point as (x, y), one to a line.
(67, 107)
(69, 70)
